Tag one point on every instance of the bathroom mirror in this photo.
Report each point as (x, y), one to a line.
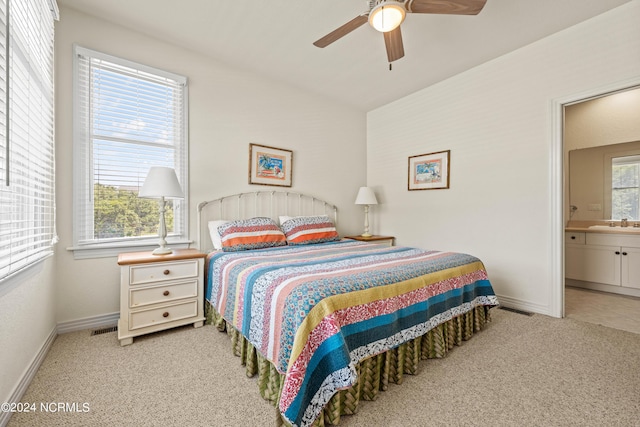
(604, 182)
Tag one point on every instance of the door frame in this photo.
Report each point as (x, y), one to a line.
(557, 169)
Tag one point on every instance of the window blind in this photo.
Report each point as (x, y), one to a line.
(128, 118)
(27, 216)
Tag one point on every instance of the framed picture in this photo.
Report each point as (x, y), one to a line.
(429, 171)
(270, 165)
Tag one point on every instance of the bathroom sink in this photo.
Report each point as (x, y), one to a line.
(617, 229)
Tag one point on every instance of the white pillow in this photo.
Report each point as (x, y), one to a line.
(215, 235)
(283, 218)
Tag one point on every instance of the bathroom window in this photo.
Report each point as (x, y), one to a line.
(625, 188)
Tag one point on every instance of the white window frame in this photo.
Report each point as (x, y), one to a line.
(608, 178)
(27, 193)
(632, 159)
(83, 172)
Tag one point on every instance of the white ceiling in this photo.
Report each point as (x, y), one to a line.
(274, 38)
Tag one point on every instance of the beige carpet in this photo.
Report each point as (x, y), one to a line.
(521, 370)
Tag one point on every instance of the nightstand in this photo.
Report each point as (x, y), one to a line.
(382, 240)
(158, 292)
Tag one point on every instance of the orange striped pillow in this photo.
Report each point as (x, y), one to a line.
(304, 230)
(254, 233)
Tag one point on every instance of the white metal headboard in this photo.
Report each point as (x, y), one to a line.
(270, 204)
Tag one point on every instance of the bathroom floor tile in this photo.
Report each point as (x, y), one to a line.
(612, 310)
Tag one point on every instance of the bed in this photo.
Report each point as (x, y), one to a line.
(325, 322)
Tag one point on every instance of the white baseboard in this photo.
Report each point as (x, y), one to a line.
(519, 304)
(93, 322)
(620, 290)
(28, 375)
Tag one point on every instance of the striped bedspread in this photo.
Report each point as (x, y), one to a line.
(315, 311)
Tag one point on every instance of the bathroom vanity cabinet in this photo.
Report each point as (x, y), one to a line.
(606, 262)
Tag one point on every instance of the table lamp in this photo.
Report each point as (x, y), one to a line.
(161, 183)
(366, 197)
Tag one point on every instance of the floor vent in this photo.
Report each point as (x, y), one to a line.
(104, 330)
(515, 310)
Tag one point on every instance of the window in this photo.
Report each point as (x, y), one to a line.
(127, 118)
(625, 188)
(27, 199)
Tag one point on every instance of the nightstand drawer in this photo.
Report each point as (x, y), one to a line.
(139, 297)
(146, 273)
(156, 316)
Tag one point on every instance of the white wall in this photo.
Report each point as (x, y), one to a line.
(229, 109)
(497, 121)
(607, 120)
(27, 320)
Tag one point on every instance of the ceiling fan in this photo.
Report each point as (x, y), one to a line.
(387, 15)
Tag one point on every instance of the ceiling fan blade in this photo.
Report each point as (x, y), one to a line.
(342, 31)
(449, 7)
(393, 42)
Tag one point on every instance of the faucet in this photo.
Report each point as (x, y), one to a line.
(623, 222)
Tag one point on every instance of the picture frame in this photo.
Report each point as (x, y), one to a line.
(429, 171)
(270, 166)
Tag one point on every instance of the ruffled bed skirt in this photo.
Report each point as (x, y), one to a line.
(374, 374)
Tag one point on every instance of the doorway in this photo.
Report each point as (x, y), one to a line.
(561, 206)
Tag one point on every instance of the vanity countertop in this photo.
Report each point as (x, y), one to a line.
(584, 227)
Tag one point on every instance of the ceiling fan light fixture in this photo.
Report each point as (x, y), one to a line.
(387, 16)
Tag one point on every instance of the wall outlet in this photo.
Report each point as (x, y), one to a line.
(594, 207)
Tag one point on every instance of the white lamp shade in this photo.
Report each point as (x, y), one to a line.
(161, 182)
(366, 196)
(387, 16)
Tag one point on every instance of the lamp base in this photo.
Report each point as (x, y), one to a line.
(162, 251)
(365, 235)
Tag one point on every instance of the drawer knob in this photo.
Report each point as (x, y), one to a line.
(624, 253)
(573, 237)
(166, 272)
(165, 293)
(617, 252)
(165, 314)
